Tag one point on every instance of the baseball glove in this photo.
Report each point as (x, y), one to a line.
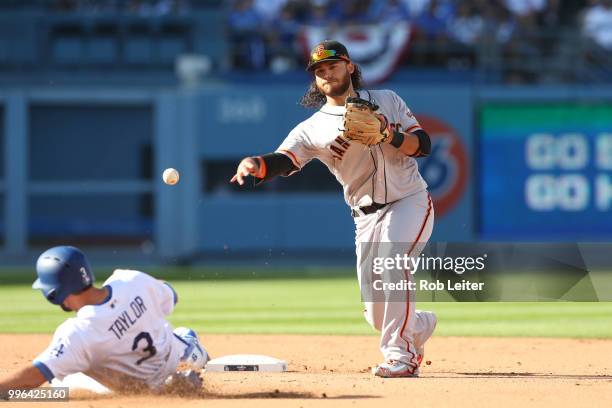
(363, 124)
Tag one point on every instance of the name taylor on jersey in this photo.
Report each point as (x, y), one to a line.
(128, 317)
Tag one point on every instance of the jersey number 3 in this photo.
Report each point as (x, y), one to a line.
(150, 348)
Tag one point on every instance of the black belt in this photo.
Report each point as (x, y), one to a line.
(367, 210)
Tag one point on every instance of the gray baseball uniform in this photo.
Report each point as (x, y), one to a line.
(380, 174)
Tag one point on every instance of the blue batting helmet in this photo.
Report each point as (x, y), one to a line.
(62, 271)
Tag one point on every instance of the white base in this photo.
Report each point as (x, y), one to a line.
(80, 381)
(246, 362)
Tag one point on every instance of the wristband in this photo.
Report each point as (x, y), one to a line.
(274, 164)
(424, 143)
(261, 170)
(398, 139)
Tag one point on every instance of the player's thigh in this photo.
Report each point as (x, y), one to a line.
(409, 220)
(367, 237)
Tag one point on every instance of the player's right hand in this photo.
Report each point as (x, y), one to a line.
(249, 166)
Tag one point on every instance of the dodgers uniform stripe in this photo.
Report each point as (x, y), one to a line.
(109, 296)
(44, 370)
(174, 294)
(429, 205)
(180, 339)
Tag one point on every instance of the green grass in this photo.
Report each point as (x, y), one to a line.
(316, 305)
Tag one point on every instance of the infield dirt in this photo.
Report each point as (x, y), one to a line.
(335, 371)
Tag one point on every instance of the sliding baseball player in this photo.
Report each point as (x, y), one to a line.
(119, 337)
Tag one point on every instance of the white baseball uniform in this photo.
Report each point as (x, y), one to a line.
(125, 335)
(379, 174)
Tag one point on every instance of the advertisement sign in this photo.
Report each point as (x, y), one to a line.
(545, 171)
(446, 169)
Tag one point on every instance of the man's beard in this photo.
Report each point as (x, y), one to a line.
(340, 88)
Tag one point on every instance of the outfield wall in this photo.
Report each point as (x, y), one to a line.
(83, 166)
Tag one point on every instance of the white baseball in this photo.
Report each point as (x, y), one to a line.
(170, 176)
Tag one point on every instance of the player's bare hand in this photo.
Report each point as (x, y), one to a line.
(249, 166)
(183, 383)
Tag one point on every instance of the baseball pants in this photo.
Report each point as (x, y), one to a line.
(402, 227)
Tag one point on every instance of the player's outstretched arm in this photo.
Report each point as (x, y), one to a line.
(28, 377)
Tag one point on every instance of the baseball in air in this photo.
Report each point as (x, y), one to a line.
(171, 176)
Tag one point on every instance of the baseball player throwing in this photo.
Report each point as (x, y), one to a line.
(368, 140)
(119, 337)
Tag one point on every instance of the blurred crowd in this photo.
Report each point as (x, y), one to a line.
(455, 34)
(445, 32)
(597, 23)
(143, 8)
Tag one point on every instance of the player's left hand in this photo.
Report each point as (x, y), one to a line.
(363, 124)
